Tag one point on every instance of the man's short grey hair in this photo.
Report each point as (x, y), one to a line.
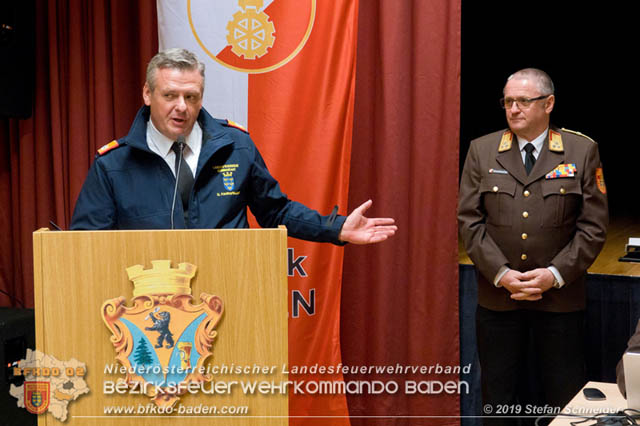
(176, 58)
(542, 79)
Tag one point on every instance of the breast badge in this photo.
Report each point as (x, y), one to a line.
(227, 179)
(163, 340)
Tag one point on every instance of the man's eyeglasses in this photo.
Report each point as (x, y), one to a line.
(507, 103)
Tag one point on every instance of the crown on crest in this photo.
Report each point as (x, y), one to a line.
(161, 278)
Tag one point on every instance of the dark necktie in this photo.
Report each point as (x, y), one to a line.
(529, 159)
(185, 177)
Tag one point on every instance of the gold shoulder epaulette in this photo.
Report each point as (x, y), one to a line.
(555, 141)
(236, 125)
(578, 133)
(108, 147)
(506, 141)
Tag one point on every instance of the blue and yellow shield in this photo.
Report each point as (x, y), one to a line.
(36, 397)
(227, 180)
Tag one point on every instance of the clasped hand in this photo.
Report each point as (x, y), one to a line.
(527, 285)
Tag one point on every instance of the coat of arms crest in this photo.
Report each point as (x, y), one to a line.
(163, 340)
(36, 397)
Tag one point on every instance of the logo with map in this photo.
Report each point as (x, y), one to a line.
(163, 340)
(251, 36)
(50, 384)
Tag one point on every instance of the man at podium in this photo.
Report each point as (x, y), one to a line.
(178, 167)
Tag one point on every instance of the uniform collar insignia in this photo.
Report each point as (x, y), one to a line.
(555, 141)
(506, 141)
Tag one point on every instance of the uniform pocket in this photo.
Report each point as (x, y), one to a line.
(497, 192)
(562, 201)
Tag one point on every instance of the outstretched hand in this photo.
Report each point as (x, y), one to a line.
(358, 229)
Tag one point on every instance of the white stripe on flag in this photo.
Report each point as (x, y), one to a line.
(225, 90)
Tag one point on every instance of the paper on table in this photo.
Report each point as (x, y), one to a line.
(634, 242)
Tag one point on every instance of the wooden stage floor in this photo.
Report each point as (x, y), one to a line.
(618, 234)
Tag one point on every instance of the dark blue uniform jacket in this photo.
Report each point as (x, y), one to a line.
(131, 187)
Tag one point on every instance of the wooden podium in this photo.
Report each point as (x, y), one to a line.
(76, 272)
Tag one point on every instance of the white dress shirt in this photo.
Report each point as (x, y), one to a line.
(537, 144)
(161, 145)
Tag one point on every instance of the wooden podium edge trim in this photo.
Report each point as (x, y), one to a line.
(38, 303)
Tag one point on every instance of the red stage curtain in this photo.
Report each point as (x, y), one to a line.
(400, 298)
(90, 66)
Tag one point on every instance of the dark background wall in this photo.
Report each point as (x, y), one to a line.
(587, 50)
(17, 46)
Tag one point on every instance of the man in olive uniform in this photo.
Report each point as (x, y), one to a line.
(533, 216)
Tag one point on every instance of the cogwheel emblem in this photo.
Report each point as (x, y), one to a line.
(250, 33)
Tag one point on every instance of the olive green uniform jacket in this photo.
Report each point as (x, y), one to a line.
(557, 215)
